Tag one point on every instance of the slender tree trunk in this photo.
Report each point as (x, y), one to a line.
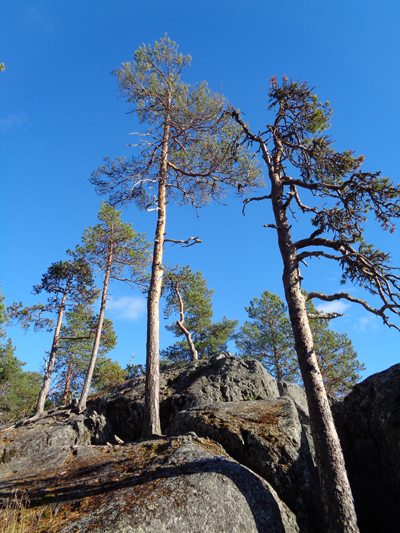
(151, 415)
(340, 515)
(67, 382)
(93, 358)
(49, 370)
(193, 351)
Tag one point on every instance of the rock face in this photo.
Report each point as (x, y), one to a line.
(238, 457)
(165, 485)
(368, 423)
(223, 378)
(267, 437)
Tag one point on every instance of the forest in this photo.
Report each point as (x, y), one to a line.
(196, 148)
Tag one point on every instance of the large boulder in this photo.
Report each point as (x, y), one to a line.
(266, 436)
(222, 378)
(183, 484)
(368, 423)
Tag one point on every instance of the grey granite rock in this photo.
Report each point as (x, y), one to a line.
(185, 485)
(368, 423)
(267, 437)
(222, 378)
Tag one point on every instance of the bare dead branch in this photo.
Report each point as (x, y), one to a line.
(185, 244)
(395, 308)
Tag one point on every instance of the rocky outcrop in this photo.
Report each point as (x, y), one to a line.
(223, 378)
(368, 423)
(186, 485)
(238, 456)
(266, 436)
(54, 429)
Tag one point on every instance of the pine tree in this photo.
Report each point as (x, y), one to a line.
(268, 338)
(67, 283)
(73, 355)
(119, 253)
(187, 291)
(301, 161)
(190, 153)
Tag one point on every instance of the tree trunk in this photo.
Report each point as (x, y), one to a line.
(340, 515)
(151, 415)
(67, 382)
(193, 351)
(49, 370)
(92, 363)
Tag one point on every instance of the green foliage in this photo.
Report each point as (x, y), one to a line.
(18, 389)
(72, 279)
(209, 337)
(112, 238)
(336, 357)
(268, 338)
(203, 153)
(107, 374)
(75, 349)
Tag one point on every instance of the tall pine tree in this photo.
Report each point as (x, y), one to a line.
(190, 153)
(120, 254)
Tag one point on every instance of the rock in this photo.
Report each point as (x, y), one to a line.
(267, 437)
(222, 378)
(59, 428)
(183, 485)
(368, 423)
(298, 395)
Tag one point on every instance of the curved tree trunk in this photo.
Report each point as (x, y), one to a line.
(192, 348)
(49, 370)
(151, 415)
(338, 501)
(93, 358)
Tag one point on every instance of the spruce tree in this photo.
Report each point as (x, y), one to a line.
(189, 154)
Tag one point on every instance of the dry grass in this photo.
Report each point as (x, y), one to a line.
(15, 515)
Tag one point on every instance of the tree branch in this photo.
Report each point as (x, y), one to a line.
(345, 296)
(185, 244)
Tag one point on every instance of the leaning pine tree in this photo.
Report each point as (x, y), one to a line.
(190, 153)
(301, 159)
(67, 283)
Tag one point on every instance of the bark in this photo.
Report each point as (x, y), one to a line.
(337, 497)
(193, 351)
(93, 358)
(151, 415)
(49, 369)
(67, 382)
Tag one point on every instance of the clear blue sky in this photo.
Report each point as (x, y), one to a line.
(60, 115)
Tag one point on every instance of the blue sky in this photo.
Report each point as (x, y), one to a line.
(60, 115)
